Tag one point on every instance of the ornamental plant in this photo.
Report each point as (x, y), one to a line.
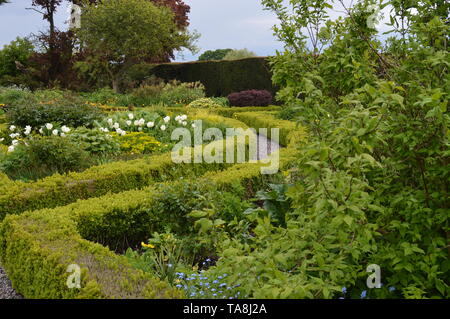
(250, 98)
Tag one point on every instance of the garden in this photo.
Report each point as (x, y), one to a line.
(94, 206)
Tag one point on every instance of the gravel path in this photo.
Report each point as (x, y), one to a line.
(266, 146)
(6, 290)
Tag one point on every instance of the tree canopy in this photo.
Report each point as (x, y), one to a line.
(119, 34)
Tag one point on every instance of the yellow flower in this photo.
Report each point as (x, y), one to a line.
(147, 245)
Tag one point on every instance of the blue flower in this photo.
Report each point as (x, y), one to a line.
(213, 289)
(170, 265)
(214, 295)
(208, 260)
(364, 294)
(222, 285)
(193, 294)
(391, 289)
(179, 286)
(215, 282)
(344, 290)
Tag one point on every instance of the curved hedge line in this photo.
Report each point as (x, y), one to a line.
(58, 190)
(36, 247)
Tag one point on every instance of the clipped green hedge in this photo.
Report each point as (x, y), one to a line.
(230, 111)
(58, 190)
(37, 247)
(290, 133)
(220, 78)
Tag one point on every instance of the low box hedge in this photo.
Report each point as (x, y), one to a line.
(58, 190)
(37, 247)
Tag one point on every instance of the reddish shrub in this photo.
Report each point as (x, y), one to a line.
(250, 98)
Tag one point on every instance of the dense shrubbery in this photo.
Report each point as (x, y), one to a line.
(370, 187)
(68, 111)
(250, 98)
(45, 156)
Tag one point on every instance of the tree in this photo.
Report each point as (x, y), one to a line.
(239, 54)
(218, 54)
(48, 9)
(119, 34)
(14, 57)
(181, 19)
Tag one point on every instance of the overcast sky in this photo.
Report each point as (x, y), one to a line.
(234, 24)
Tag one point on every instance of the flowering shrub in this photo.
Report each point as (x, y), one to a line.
(250, 98)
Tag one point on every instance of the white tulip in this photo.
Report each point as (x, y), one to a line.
(12, 128)
(140, 129)
(183, 117)
(10, 149)
(150, 124)
(163, 127)
(110, 122)
(193, 125)
(65, 129)
(14, 142)
(128, 123)
(116, 125)
(55, 132)
(184, 123)
(49, 126)
(131, 116)
(41, 131)
(166, 119)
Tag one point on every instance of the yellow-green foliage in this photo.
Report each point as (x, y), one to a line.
(37, 247)
(290, 134)
(214, 118)
(136, 142)
(204, 103)
(230, 111)
(4, 180)
(58, 190)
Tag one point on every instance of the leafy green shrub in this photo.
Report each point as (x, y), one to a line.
(10, 96)
(204, 103)
(45, 156)
(95, 142)
(70, 112)
(222, 101)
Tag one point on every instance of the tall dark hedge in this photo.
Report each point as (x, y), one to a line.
(219, 77)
